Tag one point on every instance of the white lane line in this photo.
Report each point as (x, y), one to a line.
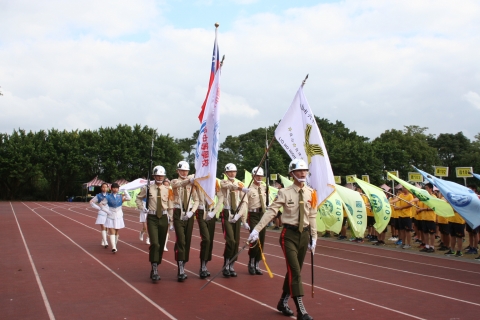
(106, 267)
(364, 263)
(281, 276)
(373, 265)
(37, 277)
(165, 260)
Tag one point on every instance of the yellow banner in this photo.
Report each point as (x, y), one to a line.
(350, 178)
(415, 177)
(464, 172)
(273, 176)
(441, 171)
(393, 173)
(366, 178)
(338, 179)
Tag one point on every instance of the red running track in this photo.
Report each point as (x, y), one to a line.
(53, 267)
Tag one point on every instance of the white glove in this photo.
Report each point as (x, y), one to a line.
(235, 218)
(145, 210)
(191, 180)
(245, 190)
(127, 196)
(210, 215)
(189, 214)
(311, 246)
(246, 226)
(95, 206)
(253, 236)
(171, 227)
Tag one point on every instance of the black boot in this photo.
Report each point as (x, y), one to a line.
(226, 270)
(181, 271)
(257, 268)
(206, 270)
(251, 266)
(154, 273)
(282, 305)
(301, 312)
(203, 269)
(232, 271)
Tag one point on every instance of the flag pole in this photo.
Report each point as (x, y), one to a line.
(304, 80)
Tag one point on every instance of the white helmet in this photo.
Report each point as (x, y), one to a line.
(257, 171)
(159, 171)
(230, 167)
(183, 165)
(297, 164)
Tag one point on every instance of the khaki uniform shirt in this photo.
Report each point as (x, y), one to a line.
(235, 187)
(178, 186)
(165, 194)
(253, 196)
(288, 199)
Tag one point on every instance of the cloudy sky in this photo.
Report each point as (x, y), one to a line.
(374, 65)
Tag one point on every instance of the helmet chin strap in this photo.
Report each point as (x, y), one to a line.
(257, 181)
(159, 180)
(298, 179)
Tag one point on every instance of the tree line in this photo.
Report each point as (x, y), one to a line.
(53, 164)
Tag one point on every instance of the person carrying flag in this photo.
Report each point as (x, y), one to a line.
(232, 215)
(159, 212)
(256, 199)
(206, 225)
(299, 203)
(183, 193)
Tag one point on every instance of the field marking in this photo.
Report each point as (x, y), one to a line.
(146, 252)
(105, 266)
(281, 276)
(37, 276)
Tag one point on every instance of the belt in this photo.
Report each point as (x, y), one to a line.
(226, 207)
(295, 228)
(154, 212)
(200, 207)
(256, 210)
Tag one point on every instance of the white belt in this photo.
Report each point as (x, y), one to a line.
(200, 207)
(255, 210)
(226, 207)
(154, 212)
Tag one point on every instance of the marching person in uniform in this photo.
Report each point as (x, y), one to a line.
(99, 202)
(114, 220)
(183, 192)
(231, 191)
(299, 204)
(256, 199)
(206, 224)
(159, 212)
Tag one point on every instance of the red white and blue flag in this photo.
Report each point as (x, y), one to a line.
(213, 71)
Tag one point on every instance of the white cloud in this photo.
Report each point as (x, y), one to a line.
(374, 65)
(473, 98)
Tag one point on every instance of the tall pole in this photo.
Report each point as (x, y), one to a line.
(267, 171)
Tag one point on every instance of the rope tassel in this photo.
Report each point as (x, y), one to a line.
(265, 261)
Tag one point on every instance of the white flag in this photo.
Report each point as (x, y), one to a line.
(206, 154)
(299, 135)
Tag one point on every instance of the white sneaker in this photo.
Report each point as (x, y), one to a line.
(147, 241)
(391, 239)
(406, 246)
(141, 235)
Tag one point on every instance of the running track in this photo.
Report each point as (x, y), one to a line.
(53, 267)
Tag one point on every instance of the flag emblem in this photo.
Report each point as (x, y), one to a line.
(311, 149)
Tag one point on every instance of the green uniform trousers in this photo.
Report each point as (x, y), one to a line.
(231, 233)
(294, 246)
(183, 233)
(207, 232)
(157, 232)
(252, 220)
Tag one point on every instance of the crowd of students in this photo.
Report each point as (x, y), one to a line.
(409, 215)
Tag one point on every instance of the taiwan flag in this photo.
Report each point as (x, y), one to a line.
(213, 71)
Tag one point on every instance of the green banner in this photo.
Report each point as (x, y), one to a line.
(379, 203)
(355, 208)
(133, 195)
(331, 213)
(441, 207)
(286, 182)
